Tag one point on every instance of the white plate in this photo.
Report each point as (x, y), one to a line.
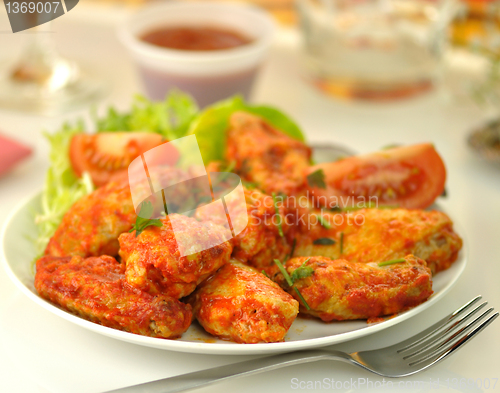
(18, 254)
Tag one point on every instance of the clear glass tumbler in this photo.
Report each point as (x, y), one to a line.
(374, 49)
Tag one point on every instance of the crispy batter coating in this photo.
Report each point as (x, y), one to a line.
(92, 225)
(260, 242)
(341, 290)
(265, 155)
(154, 263)
(240, 304)
(384, 234)
(95, 289)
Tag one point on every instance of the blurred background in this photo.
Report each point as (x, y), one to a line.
(360, 74)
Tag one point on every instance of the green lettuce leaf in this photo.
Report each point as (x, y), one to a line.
(211, 124)
(62, 188)
(170, 118)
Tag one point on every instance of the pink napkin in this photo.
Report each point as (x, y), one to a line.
(11, 152)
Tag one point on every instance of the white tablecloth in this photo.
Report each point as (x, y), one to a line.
(40, 352)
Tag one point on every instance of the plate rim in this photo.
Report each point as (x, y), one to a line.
(229, 348)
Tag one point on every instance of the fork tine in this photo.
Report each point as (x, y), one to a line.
(438, 337)
(456, 343)
(417, 339)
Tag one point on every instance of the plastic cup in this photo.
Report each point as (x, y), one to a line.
(208, 76)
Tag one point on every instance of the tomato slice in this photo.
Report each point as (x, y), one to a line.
(106, 156)
(411, 177)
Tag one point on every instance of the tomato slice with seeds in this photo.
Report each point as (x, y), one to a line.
(410, 176)
(106, 156)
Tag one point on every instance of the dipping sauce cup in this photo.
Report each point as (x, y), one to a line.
(208, 75)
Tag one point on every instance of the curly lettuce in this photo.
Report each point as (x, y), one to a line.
(62, 187)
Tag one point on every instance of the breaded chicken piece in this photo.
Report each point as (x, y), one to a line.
(265, 155)
(92, 225)
(341, 290)
(383, 234)
(95, 289)
(260, 242)
(240, 304)
(154, 262)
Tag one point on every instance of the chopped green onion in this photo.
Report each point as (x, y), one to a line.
(302, 271)
(277, 212)
(305, 273)
(324, 241)
(284, 272)
(265, 274)
(392, 262)
(324, 224)
(301, 298)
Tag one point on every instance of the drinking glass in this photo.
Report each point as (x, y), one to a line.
(374, 49)
(43, 82)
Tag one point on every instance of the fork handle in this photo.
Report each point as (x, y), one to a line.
(201, 378)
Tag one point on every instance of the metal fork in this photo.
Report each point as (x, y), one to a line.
(405, 358)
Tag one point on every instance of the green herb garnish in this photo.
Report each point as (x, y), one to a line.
(392, 262)
(341, 243)
(301, 298)
(277, 212)
(265, 274)
(284, 272)
(144, 219)
(325, 224)
(301, 272)
(324, 241)
(317, 179)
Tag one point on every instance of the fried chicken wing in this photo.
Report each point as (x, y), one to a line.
(95, 289)
(240, 304)
(92, 225)
(341, 290)
(382, 234)
(260, 242)
(155, 264)
(265, 155)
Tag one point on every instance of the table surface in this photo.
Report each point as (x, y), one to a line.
(39, 352)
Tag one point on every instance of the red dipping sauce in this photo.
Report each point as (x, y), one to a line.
(206, 89)
(207, 49)
(196, 38)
